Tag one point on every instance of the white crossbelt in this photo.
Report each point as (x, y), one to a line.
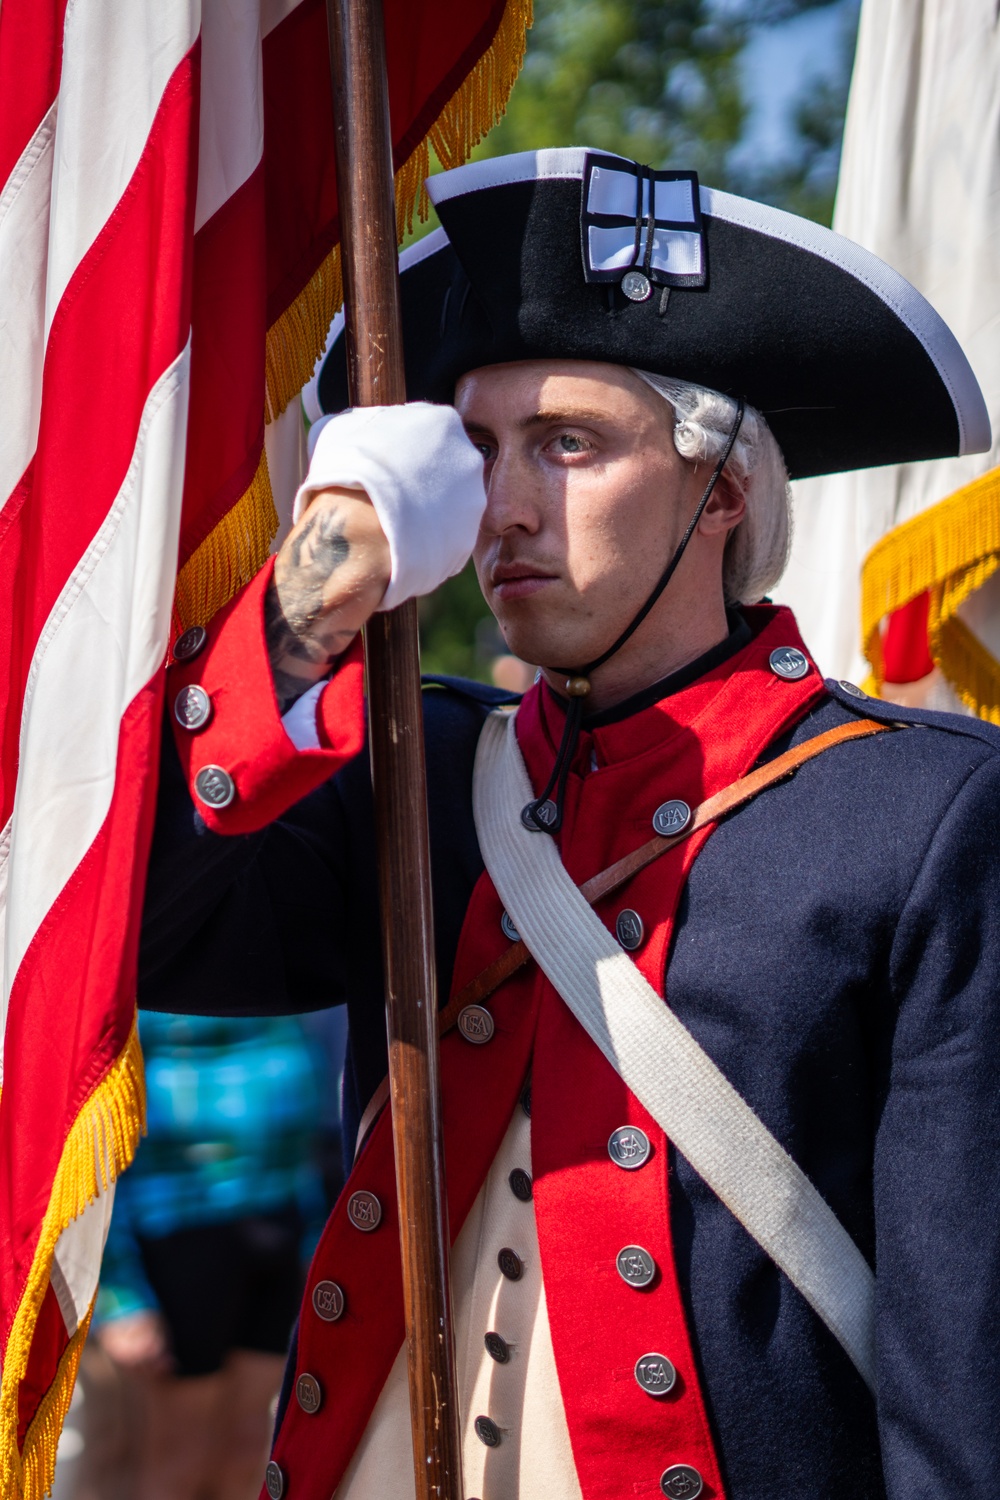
(659, 1059)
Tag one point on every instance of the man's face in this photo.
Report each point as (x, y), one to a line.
(587, 499)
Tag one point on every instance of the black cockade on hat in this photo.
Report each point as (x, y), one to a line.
(849, 364)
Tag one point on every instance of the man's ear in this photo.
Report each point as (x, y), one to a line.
(725, 509)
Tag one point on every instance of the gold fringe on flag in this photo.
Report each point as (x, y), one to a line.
(41, 1441)
(947, 552)
(234, 550)
(99, 1146)
(296, 340)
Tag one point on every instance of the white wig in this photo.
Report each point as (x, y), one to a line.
(757, 549)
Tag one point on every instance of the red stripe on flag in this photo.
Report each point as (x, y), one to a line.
(228, 329)
(47, 1348)
(906, 654)
(75, 989)
(31, 33)
(122, 322)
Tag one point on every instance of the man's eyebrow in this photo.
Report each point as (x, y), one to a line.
(570, 415)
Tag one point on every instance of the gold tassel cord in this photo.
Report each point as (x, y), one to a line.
(232, 553)
(100, 1144)
(297, 338)
(947, 552)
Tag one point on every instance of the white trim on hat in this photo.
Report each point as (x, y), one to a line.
(498, 171)
(910, 307)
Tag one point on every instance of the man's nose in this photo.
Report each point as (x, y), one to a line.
(510, 498)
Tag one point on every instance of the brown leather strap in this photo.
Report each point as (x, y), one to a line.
(618, 874)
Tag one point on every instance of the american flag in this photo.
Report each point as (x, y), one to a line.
(168, 272)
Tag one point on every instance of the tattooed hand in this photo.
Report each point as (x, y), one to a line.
(330, 575)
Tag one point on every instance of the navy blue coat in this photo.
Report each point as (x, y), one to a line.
(837, 952)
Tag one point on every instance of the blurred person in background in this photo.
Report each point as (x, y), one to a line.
(203, 1267)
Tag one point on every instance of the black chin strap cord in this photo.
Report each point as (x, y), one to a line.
(545, 814)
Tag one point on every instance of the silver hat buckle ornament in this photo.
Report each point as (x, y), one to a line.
(641, 228)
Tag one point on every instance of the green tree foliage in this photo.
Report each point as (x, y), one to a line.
(655, 80)
(659, 81)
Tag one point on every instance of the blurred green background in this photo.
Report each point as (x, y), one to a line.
(751, 95)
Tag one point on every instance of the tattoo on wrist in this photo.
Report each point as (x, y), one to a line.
(300, 649)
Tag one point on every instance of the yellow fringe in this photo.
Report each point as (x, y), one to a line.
(41, 1441)
(948, 551)
(234, 550)
(973, 671)
(471, 112)
(296, 340)
(99, 1146)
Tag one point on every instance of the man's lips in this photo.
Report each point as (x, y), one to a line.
(518, 580)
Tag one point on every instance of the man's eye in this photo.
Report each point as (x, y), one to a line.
(570, 443)
(486, 450)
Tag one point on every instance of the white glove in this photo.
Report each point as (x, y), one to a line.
(422, 475)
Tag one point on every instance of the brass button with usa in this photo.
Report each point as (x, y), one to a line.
(636, 286)
(629, 929)
(192, 707)
(274, 1480)
(681, 1482)
(497, 1348)
(636, 1266)
(520, 1184)
(190, 644)
(328, 1301)
(508, 929)
(788, 662)
(309, 1393)
(655, 1374)
(671, 818)
(487, 1432)
(538, 819)
(510, 1263)
(215, 787)
(364, 1211)
(476, 1024)
(629, 1147)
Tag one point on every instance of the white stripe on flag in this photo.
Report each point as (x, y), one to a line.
(132, 51)
(24, 234)
(231, 131)
(113, 615)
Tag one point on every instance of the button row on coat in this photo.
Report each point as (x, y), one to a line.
(213, 785)
(511, 1266)
(365, 1212)
(630, 1148)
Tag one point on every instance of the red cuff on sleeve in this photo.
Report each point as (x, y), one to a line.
(241, 767)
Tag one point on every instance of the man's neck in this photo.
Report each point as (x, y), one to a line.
(657, 649)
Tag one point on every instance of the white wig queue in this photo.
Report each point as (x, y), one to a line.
(756, 549)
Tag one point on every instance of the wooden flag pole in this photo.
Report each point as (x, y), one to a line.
(375, 377)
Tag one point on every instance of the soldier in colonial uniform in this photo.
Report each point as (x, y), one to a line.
(718, 940)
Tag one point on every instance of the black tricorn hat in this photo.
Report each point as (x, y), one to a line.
(575, 254)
